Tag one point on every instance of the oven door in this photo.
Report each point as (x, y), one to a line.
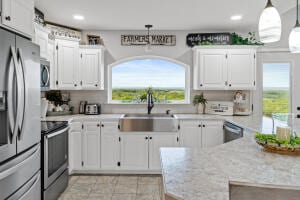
(55, 155)
(45, 77)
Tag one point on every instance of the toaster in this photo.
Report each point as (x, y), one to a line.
(92, 109)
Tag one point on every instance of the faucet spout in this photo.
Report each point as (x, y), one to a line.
(150, 102)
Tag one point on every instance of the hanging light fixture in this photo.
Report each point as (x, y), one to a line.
(294, 39)
(148, 45)
(269, 24)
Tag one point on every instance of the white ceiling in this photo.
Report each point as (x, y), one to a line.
(213, 15)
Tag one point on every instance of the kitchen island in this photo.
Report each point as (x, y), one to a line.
(206, 174)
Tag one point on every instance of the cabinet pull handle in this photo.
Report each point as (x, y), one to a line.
(226, 83)
(8, 18)
(80, 82)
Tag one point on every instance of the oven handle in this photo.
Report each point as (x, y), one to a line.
(239, 132)
(57, 133)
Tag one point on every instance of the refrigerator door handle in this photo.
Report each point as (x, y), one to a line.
(23, 93)
(11, 112)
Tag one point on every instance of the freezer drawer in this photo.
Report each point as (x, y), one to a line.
(30, 191)
(17, 172)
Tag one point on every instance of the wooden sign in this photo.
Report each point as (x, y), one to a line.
(194, 39)
(164, 40)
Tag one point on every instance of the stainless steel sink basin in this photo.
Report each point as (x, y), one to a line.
(148, 123)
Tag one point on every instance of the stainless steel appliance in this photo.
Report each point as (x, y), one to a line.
(55, 159)
(19, 118)
(45, 75)
(93, 109)
(220, 107)
(82, 105)
(232, 132)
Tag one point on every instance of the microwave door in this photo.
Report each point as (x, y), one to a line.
(45, 77)
(29, 125)
(7, 108)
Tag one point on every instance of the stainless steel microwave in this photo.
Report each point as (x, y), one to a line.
(45, 75)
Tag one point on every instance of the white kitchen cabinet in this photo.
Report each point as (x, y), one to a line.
(157, 141)
(241, 68)
(197, 134)
(41, 39)
(212, 133)
(91, 145)
(110, 146)
(75, 146)
(18, 15)
(220, 68)
(67, 64)
(91, 68)
(53, 69)
(210, 69)
(190, 134)
(134, 151)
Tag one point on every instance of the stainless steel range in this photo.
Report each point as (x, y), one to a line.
(54, 159)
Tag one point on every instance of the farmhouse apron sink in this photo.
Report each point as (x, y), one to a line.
(148, 123)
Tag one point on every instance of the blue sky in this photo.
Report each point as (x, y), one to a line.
(144, 73)
(276, 75)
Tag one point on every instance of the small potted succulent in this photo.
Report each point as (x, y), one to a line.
(200, 102)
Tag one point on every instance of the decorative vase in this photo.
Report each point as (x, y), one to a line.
(200, 108)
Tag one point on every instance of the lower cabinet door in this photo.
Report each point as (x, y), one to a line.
(75, 150)
(212, 133)
(134, 151)
(91, 145)
(157, 141)
(190, 134)
(110, 146)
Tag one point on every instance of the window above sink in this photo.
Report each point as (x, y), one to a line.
(130, 79)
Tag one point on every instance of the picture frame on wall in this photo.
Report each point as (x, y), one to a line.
(94, 40)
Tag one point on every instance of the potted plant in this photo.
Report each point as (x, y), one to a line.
(201, 102)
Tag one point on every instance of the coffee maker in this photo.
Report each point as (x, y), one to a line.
(241, 104)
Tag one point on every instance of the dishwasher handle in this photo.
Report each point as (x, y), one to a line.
(236, 131)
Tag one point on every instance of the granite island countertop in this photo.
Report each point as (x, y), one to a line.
(205, 174)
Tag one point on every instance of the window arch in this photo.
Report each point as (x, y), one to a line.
(130, 78)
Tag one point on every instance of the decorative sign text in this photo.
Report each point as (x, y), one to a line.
(208, 38)
(164, 40)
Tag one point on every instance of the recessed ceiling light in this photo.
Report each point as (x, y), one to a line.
(78, 17)
(236, 17)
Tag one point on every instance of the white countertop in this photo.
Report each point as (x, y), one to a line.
(205, 175)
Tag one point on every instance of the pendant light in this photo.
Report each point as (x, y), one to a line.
(269, 24)
(294, 39)
(148, 47)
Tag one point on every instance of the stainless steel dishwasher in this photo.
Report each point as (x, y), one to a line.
(232, 132)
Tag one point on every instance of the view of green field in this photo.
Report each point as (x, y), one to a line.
(140, 95)
(275, 101)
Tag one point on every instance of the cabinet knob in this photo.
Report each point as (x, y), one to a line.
(96, 85)
(229, 85)
(201, 85)
(7, 18)
(150, 138)
(146, 138)
(203, 125)
(102, 125)
(75, 85)
(199, 125)
(98, 125)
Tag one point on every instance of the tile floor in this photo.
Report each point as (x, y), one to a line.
(115, 187)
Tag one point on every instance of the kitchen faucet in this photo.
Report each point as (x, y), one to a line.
(150, 102)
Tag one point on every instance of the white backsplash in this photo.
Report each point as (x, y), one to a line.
(101, 98)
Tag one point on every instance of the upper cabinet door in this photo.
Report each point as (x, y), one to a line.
(41, 39)
(91, 69)
(241, 69)
(209, 70)
(67, 61)
(18, 15)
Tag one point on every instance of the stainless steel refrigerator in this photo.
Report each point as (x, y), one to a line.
(20, 131)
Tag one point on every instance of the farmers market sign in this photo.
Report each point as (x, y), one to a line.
(163, 40)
